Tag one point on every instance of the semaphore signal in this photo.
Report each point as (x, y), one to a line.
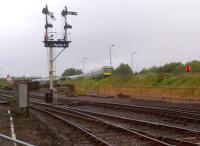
(50, 41)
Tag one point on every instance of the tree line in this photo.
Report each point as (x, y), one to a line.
(125, 69)
(173, 68)
(122, 69)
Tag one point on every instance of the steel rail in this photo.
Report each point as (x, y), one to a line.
(141, 122)
(137, 121)
(107, 123)
(165, 139)
(85, 132)
(7, 138)
(116, 126)
(6, 97)
(154, 124)
(183, 117)
(155, 108)
(151, 124)
(160, 108)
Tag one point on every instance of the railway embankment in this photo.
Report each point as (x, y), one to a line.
(182, 88)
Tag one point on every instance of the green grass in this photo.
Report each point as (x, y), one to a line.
(3, 83)
(151, 80)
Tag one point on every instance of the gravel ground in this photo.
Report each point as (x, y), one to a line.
(43, 130)
(131, 100)
(137, 102)
(112, 136)
(30, 129)
(4, 126)
(71, 136)
(133, 115)
(145, 117)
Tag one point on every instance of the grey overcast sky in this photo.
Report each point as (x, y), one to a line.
(159, 31)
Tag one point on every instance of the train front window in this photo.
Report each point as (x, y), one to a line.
(107, 70)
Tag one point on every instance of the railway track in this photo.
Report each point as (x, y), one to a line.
(168, 134)
(185, 116)
(85, 132)
(100, 130)
(142, 125)
(172, 115)
(4, 100)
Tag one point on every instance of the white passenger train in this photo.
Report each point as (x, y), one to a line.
(103, 71)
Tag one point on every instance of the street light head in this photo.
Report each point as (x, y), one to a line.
(85, 58)
(134, 52)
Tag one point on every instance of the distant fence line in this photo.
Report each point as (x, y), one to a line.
(169, 94)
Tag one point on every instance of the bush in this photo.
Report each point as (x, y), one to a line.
(71, 72)
(123, 69)
(173, 68)
(195, 66)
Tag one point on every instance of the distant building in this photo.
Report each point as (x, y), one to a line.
(9, 80)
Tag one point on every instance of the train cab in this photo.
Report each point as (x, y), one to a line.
(107, 71)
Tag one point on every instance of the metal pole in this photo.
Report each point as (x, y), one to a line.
(132, 59)
(84, 58)
(110, 57)
(111, 54)
(1, 77)
(83, 65)
(137, 65)
(51, 73)
(15, 140)
(65, 38)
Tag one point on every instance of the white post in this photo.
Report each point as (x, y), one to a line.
(51, 71)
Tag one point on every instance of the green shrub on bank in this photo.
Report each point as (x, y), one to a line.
(85, 85)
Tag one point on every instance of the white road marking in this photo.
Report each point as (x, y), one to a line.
(12, 128)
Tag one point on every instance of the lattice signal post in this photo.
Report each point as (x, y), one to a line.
(51, 42)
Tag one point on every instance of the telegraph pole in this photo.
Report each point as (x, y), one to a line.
(137, 66)
(1, 78)
(132, 54)
(50, 41)
(84, 59)
(110, 47)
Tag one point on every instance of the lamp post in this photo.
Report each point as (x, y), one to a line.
(1, 69)
(137, 66)
(84, 59)
(132, 54)
(111, 54)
